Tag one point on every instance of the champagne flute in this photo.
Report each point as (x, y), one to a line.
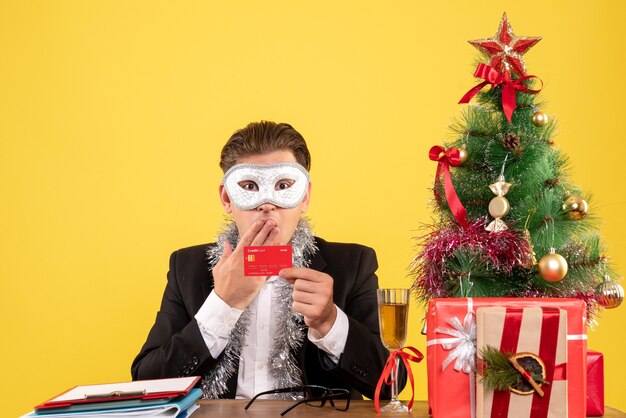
(393, 311)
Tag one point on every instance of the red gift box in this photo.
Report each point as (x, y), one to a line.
(451, 352)
(595, 384)
(540, 331)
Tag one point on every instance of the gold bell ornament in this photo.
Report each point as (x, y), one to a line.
(530, 259)
(610, 294)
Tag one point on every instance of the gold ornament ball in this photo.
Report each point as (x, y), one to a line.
(552, 267)
(462, 155)
(540, 118)
(576, 207)
(610, 294)
(499, 207)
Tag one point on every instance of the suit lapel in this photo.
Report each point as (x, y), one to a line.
(318, 263)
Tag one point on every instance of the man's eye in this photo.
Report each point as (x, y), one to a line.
(284, 184)
(248, 185)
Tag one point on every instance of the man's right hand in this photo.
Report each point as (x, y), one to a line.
(231, 285)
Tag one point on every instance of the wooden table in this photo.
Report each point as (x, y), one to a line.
(233, 408)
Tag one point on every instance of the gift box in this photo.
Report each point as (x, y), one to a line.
(451, 350)
(539, 337)
(595, 384)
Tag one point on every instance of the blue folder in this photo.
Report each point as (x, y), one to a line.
(174, 408)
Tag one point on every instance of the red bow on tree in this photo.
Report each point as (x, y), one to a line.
(509, 87)
(445, 159)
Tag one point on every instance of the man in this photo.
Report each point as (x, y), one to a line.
(315, 323)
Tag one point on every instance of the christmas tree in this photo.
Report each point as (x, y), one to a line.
(510, 222)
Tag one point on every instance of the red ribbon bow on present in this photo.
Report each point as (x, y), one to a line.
(387, 377)
(447, 158)
(509, 87)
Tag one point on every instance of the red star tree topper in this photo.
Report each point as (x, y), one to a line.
(505, 49)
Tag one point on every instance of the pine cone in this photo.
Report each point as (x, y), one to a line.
(511, 141)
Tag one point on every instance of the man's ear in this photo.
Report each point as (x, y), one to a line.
(304, 205)
(225, 199)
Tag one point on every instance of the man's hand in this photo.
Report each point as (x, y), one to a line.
(312, 297)
(231, 285)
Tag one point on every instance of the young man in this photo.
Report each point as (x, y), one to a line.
(315, 323)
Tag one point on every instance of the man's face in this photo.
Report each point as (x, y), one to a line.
(286, 219)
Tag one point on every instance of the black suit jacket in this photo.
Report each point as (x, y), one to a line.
(175, 346)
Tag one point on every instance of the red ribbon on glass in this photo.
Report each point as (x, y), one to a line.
(445, 159)
(387, 377)
(509, 87)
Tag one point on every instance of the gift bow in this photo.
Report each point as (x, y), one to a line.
(387, 377)
(462, 343)
(509, 87)
(445, 159)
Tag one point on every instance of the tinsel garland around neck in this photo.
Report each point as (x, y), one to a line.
(289, 325)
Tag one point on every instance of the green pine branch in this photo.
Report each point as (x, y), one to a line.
(497, 372)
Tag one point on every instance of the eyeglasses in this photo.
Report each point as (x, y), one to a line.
(314, 395)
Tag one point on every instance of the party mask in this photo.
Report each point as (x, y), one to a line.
(251, 185)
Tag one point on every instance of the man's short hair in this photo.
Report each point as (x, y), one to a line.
(263, 137)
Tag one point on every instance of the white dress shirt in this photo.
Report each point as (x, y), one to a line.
(216, 320)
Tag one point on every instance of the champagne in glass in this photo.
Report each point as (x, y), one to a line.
(393, 311)
(393, 322)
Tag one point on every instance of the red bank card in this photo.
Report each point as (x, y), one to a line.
(266, 260)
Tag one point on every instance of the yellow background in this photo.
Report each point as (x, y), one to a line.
(113, 113)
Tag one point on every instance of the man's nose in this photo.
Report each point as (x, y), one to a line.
(266, 207)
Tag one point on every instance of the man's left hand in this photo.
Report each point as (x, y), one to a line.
(312, 297)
